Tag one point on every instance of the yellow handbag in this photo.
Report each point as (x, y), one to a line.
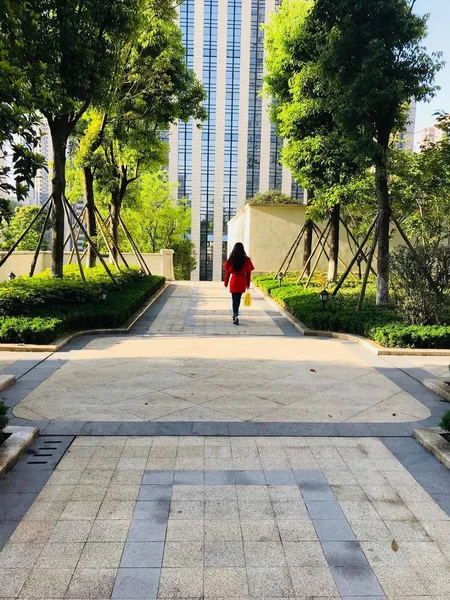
(247, 299)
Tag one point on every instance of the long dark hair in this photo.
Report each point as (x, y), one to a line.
(237, 257)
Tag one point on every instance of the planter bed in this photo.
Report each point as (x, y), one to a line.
(436, 441)
(41, 309)
(380, 324)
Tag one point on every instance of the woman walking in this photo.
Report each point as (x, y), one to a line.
(239, 268)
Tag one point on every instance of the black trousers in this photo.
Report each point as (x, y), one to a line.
(236, 299)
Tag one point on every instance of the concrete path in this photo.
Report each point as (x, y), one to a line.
(188, 362)
(266, 506)
(235, 518)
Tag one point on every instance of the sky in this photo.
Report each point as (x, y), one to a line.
(438, 39)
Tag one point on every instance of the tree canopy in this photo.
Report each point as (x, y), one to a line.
(339, 108)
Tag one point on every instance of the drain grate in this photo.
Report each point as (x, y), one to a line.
(45, 453)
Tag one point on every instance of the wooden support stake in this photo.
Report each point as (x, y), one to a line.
(90, 241)
(24, 233)
(368, 266)
(74, 242)
(313, 270)
(314, 251)
(77, 237)
(41, 239)
(292, 251)
(135, 248)
(355, 257)
(104, 223)
(355, 241)
(68, 236)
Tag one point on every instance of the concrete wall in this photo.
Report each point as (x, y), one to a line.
(268, 232)
(19, 263)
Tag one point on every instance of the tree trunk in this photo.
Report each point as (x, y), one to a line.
(114, 211)
(334, 243)
(59, 133)
(307, 245)
(88, 181)
(384, 209)
(308, 236)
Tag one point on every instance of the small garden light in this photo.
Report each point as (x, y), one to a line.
(102, 294)
(141, 273)
(323, 298)
(11, 276)
(280, 278)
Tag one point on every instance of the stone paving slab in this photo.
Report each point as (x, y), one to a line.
(172, 372)
(160, 517)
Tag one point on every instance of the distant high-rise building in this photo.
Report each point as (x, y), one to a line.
(406, 139)
(236, 152)
(42, 182)
(429, 134)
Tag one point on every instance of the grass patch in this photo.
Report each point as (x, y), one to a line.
(40, 309)
(381, 324)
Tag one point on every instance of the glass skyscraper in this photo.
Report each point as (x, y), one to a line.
(236, 152)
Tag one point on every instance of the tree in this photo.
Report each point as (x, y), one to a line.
(19, 123)
(420, 186)
(154, 215)
(23, 215)
(315, 150)
(368, 90)
(155, 89)
(78, 47)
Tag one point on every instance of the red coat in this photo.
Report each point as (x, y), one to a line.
(240, 280)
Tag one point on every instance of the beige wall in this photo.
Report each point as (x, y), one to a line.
(268, 232)
(19, 263)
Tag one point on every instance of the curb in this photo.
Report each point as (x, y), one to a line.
(431, 439)
(15, 446)
(66, 340)
(351, 337)
(6, 381)
(439, 387)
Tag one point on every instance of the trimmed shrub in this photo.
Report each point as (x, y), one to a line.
(381, 324)
(445, 422)
(183, 259)
(4, 419)
(420, 301)
(39, 310)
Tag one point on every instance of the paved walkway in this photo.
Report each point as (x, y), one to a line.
(239, 516)
(188, 362)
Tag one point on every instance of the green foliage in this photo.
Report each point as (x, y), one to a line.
(19, 129)
(272, 197)
(154, 90)
(4, 420)
(445, 422)
(10, 232)
(38, 310)
(419, 301)
(154, 215)
(184, 258)
(381, 324)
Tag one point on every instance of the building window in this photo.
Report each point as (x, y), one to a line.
(208, 140)
(234, 23)
(255, 101)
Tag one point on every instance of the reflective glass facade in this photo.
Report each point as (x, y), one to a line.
(255, 100)
(234, 18)
(208, 140)
(275, 169)
(232, 135)
(185, 129)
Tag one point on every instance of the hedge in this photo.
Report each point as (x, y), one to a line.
(40, 309)
(381, 324)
